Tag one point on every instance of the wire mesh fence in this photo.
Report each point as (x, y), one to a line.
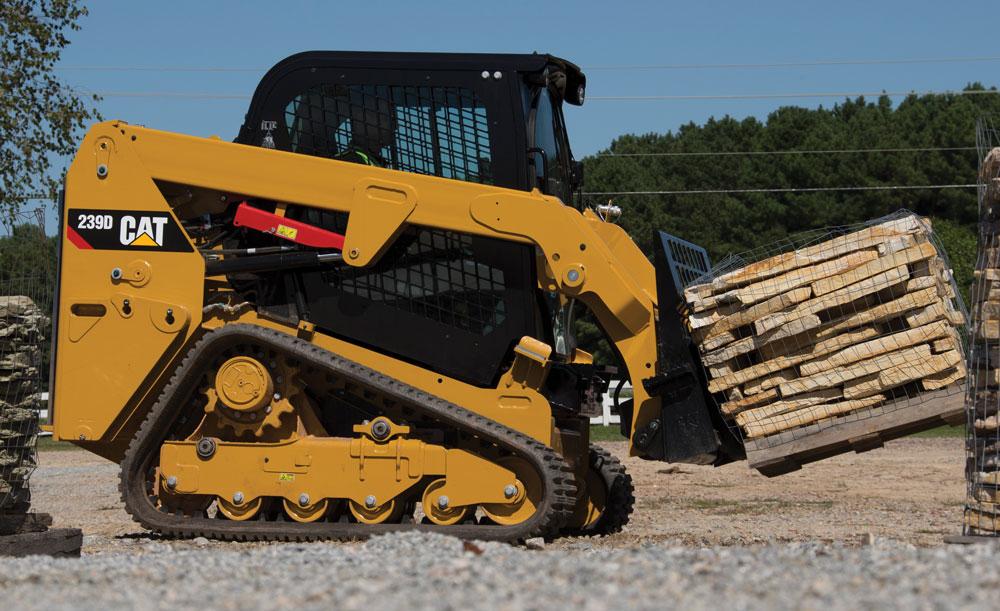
(25, 296)
(830, 326)
(982, 516)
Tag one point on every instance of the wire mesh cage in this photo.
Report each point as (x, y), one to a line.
(25, 294)
(983, 401)
(831, 326)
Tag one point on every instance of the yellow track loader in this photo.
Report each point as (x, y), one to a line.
(358, 316)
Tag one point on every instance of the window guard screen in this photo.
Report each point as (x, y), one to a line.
(441, 131)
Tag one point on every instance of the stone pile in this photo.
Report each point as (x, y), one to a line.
(850, 325)
(982, 514)
(22, 329)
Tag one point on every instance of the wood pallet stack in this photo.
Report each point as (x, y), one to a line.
(982, 515)
(835, 328)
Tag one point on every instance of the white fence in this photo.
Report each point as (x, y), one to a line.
(607, 418)
(43, 414)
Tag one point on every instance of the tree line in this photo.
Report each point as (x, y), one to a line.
(735, 223)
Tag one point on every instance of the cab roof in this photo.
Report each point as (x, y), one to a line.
(525, 63)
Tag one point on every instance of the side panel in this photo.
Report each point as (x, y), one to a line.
(130, 289)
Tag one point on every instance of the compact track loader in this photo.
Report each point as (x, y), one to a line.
(364, 303)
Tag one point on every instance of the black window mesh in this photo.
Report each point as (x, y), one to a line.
(434, 274)
(441, 131)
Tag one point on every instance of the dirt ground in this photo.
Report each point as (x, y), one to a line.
(912, 490)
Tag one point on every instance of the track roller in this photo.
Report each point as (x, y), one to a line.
(437, 509)
(239, 512)
(526, 493)
(306, 513)
(388, 512)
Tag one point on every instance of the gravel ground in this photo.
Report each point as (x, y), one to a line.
(700, 538)
(421, 570)
(911, 491)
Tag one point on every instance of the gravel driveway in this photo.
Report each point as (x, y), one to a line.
(701, 538)
(421, 570)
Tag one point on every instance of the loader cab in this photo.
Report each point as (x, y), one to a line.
(487, 118)
(484, 118)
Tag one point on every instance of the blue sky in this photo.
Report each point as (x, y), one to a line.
(594, 34)
(254, 35)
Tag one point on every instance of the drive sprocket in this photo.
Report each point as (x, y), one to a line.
(247, 396)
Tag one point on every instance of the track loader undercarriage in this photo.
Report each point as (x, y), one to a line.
(300, 483)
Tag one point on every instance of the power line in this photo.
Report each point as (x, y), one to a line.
(802, 64)
(715, 191)
(635, 98)
(771, 96)
(172, 94)
(785, 190)
(692, 66)
(156, 69)
(792, 152)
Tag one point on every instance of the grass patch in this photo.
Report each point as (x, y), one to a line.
(605, 433)
(752, 506)
(711, 504)
(942, 431)
(47, 444)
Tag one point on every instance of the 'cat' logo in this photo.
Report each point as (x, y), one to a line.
(142, 231)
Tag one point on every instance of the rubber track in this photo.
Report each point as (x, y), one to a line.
(621, 492)
(555, 509)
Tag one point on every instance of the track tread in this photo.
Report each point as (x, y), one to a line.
(554, 511)
(621, 494)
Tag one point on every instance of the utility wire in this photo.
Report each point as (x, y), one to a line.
(620, 98)
(170, 94)
(720, 191)
(784, 190)
(693, 66)
(792, 152)
(772, 96)
(157, 69)
(803, 64)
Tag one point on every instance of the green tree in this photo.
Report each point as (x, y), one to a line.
(40, 116)
(740, 223)
(959, 242)
(28, 264)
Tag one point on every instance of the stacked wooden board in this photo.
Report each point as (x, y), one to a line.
(839, 327)
(982, 515)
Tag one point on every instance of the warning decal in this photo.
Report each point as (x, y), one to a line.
(125, 230)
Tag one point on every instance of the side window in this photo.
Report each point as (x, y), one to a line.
(441, 131)
(547, 137)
